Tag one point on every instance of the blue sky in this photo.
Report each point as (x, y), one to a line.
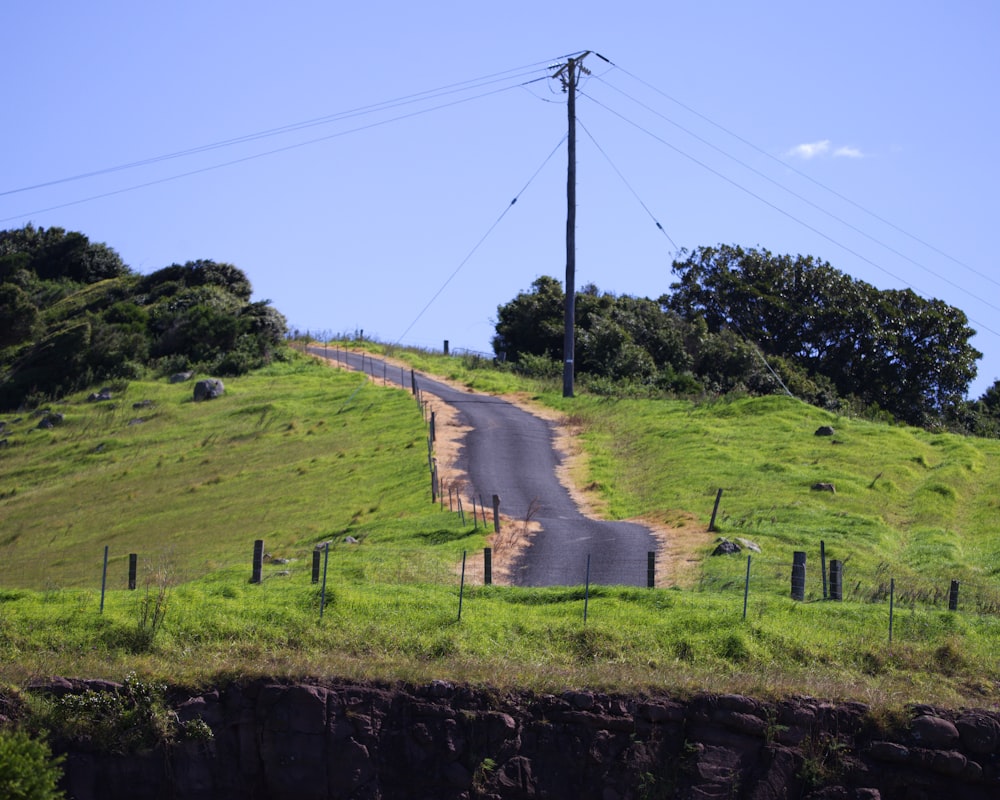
(861, 133)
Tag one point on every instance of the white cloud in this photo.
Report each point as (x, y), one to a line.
(810, 150)
(822, 149)
(848, 152)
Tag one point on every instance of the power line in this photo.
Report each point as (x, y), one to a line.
(803, 199)
(260, 155)
(777, 208)
(808, 177)
(627, 184)
(481, 240)
(453, 88)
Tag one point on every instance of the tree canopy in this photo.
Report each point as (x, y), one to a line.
(749, 320)
(890, 348)
(73, 314)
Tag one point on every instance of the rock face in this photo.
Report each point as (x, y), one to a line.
(336, 740)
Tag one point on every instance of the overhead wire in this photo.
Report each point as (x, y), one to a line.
(811, 179)
(802, 198)
(263, 154)
(482, 239)
(627, 184)
(327, 119)
(777, 208)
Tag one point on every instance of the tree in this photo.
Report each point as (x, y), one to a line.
(893, 349)
(55, 254)
(532, 323)
(18, 315)
(72, 314)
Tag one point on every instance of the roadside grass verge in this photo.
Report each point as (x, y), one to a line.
(633, 640)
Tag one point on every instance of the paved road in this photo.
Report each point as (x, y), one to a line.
(510, 452)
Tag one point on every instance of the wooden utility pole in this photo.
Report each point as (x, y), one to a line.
(568, 74)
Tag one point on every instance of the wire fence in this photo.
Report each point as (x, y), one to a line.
(820, 581)
(349, 561)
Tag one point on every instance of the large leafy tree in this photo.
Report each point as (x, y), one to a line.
(890, 348)
(532, 323)
(617, 336)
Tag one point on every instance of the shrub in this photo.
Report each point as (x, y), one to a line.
(132, 719)
(27, 769)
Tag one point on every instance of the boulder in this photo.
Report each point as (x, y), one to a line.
(933, 732)
(208, 389)
(181, 377)
(824, 487)
(725, 547)
(979, 733)
(825, 430)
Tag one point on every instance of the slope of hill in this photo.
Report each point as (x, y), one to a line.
(299, 454)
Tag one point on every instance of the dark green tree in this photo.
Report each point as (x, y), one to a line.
(891, 349)
(19, 317)
(55, 254)
(532, 323)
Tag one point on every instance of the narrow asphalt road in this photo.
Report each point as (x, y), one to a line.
(511, 453)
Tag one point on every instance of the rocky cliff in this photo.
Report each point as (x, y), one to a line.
(277, 741)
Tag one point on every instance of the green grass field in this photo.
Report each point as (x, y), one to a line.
(301, 454)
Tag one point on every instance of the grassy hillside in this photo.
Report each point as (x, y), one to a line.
(302, 454)
(908, 504)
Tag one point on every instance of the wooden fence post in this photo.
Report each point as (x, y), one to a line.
(322, 592)
(822, 564)
(487, 565)
(104, 577)
(461, 588)
(836, 579)
(892, 604)
(953, 596)
(650, 569)
(496, 513)
(746, 588)
(258, 560)
(133, 563)
(799, 575)
(715, 510)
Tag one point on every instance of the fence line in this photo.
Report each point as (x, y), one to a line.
(351, 560)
